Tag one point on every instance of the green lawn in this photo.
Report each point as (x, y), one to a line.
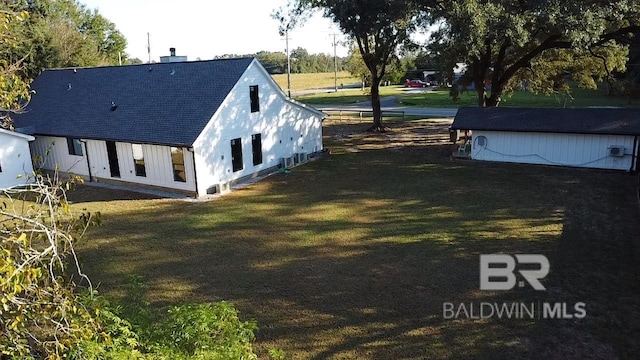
(349, 96)
(441, 98)
(352, 257)
(578, 98)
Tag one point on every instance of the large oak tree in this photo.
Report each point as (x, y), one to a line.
(378, 28)
(508, 43)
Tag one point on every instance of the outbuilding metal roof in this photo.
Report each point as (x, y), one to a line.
(605, 121)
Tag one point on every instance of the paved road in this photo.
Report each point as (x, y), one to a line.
(413, 111)
(388, 103)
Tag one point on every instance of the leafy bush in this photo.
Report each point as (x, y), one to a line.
(212, 329)
(44, 314)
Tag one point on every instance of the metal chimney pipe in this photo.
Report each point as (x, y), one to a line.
(172, 51)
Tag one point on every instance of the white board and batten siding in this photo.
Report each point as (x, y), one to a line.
(286, 128)
(574, 150)
(15, 159)
(52, 153)
(157, 161)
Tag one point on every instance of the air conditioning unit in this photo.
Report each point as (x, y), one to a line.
(616, 150)
(288, 162)
(301, 158)
(219, 188)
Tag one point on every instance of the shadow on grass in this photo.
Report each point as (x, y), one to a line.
(88, 193)
(352, 257)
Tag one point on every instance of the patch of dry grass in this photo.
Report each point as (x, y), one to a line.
(352, 257)
(301, 82)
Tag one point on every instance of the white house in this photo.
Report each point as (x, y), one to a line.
(15, 158)
(602, 138)
(194, 127)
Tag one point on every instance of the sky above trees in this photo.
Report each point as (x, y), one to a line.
(205, 29)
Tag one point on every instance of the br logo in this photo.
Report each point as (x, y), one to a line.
(497, 271)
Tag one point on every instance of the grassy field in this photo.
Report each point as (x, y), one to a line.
(352, 257)
(301, 82)
(441, 98)
(349, 96)
(578, 98)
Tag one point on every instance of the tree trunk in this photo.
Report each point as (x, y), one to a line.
(375, 104)
(482, 96)
(496, 96)
(493, 100)
(488, 101)
(482, 93)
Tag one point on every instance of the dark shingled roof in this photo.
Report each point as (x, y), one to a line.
(605, 121)
(163, 103)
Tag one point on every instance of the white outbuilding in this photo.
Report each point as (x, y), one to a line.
(602, 138)
(15, 159)
(194, 127)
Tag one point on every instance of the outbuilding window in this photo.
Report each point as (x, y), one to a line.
(138, 160)
(255, 101)
(74, 146)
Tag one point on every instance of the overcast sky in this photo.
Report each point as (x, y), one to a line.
(204, 29)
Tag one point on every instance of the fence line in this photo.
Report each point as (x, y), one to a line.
(361, 113)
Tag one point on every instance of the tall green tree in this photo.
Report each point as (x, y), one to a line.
(507, 43)
(356, 67)
(14, 90)
(378, 28)
(64, 33)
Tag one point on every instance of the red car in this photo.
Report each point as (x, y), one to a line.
(416, 83)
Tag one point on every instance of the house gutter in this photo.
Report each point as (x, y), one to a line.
(195, 171)
(88, 162)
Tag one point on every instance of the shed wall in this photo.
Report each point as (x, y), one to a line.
(575, 150)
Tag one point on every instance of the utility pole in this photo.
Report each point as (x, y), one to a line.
(335, 63)
(286, 34)
(149, 47)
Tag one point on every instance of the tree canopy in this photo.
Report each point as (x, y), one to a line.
(14, 90)
(537, 43)
(63, 33)
(378, 28)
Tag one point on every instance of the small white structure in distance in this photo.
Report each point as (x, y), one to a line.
(172, 57)
(15, 158)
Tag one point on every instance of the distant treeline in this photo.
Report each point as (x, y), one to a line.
(301, 61)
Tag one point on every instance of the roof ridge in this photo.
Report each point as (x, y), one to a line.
(148, 64)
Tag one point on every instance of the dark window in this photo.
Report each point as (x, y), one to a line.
(177, 160)
(255, 101)
(256, 145)
(236, 154)
(138, 159)
(74, 146)
(112, 154)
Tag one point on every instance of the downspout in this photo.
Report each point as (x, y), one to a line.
(634, 156)
(195, 171)
(86, 151)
